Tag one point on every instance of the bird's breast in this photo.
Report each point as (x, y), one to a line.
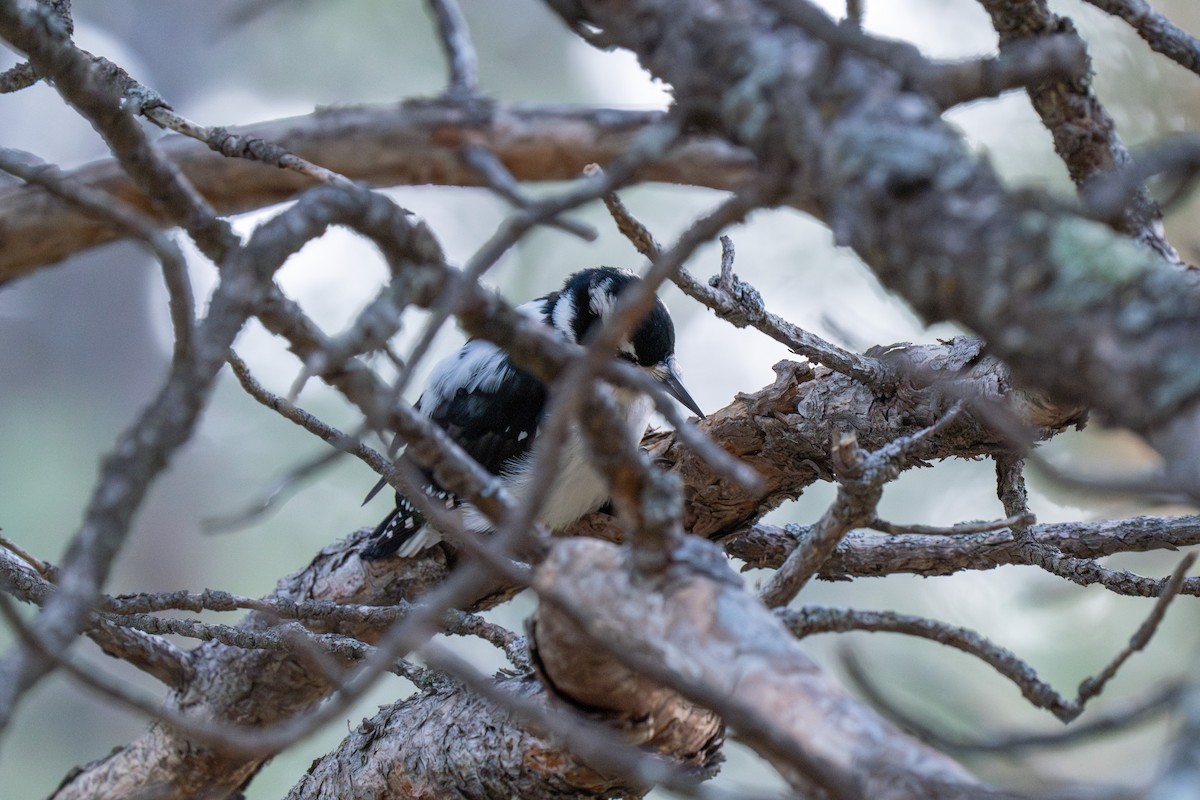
(578, 486)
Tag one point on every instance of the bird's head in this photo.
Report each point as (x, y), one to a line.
(589, 296)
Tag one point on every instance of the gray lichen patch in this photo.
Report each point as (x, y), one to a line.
(1092, 261)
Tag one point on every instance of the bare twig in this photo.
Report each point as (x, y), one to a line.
(1117, 719)
(32, 170)
(1176, 157)
(18, 77)
(960, 529)
(1160, 33)
(1074, 547)
(1093, 686)
(1114, 721)
(949, 84)
(326, 613)
(1070, 106)
(502, 182)
(1010, 485)
(809, 620)
(861, 477)
(274, 495)
(741, 305)
(289, 638)
(23, 75)
(814, 619)
(1181, 768)
(855, 504)
(456, 42)
(228, 144)
(854, 12)
(151, 654)
(41, 567)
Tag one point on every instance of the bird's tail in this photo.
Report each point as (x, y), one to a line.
(403, 532)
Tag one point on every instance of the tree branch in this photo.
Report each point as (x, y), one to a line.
(881, 165)
(414, 143)
(718, 646)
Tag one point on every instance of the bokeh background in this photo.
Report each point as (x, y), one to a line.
(85, 345)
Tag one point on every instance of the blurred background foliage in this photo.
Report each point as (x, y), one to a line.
(86, 345)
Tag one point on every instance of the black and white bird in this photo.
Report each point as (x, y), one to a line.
(493, 409)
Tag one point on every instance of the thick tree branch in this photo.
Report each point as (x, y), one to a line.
(783, 430)
(718, 646)
(863, 554)
(415, 143)
(404, 752)
(1074, 308)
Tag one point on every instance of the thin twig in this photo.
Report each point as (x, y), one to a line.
(455, 38)
(854, 12)
(323, 612)
(41, 567)
(809, 620)
(1074, 547)
(102, 205)
(1114, 721)
(502, 182)
(861, 477)
(1160, 33)
(960, 529)
(153, 655)
(23, 75)
(741, 305)
(231, 145)
(948, 83)
(815, 619)
(1119, 719)
(275, 495)
(1141, 637)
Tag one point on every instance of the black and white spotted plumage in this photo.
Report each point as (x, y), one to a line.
(492, 409)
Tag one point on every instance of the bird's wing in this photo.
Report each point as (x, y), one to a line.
(488, 405)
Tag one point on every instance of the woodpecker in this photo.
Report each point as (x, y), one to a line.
(493, 409)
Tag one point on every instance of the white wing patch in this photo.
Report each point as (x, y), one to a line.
(478, 365)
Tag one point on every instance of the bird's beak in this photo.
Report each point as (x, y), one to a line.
(670, 380)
